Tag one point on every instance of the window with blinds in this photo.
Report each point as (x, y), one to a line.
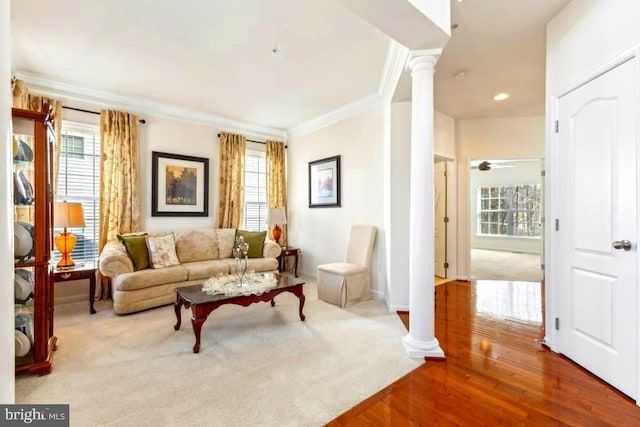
(510, 210)
(79, 181)
(255, 191)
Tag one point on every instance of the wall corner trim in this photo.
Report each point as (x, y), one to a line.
(395, 63)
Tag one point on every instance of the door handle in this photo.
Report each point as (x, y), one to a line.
(622, 244)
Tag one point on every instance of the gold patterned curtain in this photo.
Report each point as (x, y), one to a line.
(24, 100)
(277, 182)
(119, 191)
(231, 188)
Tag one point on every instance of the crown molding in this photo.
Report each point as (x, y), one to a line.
(395, 61)
(73, 92)
(352, 109)
(397, 56)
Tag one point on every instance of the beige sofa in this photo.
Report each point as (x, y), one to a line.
(202, 254)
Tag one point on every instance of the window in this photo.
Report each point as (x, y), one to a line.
(255, 191)
(73, 146)
(512, 210)
(79, 181)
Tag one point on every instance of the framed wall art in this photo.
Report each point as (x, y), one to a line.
(180, 185)
(324, 183)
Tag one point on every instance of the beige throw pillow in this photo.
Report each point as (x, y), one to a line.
(226, 240)
(196, 245)
(162, 251)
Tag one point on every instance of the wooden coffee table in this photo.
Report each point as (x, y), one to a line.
(202, 304)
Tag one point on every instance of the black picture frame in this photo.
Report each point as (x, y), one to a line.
(324, 183)
(181, 196)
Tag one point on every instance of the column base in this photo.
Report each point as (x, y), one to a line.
(422, 349)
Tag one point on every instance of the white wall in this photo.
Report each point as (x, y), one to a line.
(7, 394)
(585, 34)
(444, 135)
(525, 172)
(400, 177)
(323, 233)
(171, 136)
(501, 138)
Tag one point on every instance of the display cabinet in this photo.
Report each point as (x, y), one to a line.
(33, 142)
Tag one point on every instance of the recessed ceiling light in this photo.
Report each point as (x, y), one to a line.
(501, 96)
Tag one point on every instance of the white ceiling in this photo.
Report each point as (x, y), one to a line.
(501, 46)
(215, 57)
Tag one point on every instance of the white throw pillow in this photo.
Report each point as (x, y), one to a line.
(162, 251)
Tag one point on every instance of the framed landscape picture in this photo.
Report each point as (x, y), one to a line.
(324, 183)
(180, 185)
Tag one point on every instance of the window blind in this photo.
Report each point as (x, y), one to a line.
(79, 181)
(255, 191)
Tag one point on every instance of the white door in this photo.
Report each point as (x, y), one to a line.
(440, 212)
(597, 141)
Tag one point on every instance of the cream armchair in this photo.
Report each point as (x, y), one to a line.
(344, 283)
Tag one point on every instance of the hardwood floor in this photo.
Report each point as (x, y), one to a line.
(496, 371)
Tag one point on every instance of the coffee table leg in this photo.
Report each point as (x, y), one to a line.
(92, 292)
(297, 291)
(302, 298)
(177, 307)
(197, 327)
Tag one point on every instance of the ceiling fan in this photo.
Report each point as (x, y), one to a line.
(487, 165)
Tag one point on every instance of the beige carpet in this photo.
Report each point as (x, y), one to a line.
(497, 265)
(258, 365)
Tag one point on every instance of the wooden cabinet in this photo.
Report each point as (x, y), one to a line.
(33, 142)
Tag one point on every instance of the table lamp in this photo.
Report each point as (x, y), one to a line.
(66, 214)
(276, 216)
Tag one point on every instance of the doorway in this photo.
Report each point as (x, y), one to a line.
(597, 225)
(440, 217)
(506, 210)
(444, 218)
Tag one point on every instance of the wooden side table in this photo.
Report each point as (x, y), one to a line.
(86, 271)
(288, 251)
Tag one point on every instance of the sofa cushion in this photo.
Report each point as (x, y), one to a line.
(258, 265)
(136, 246)
(149, 278)
(162, 251)
(255, 239)
(226, 240)
(196, 245)
(206, 269)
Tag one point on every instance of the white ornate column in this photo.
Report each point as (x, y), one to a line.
(421, 341)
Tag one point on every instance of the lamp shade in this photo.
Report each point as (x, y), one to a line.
(66, 214)
(276, 216)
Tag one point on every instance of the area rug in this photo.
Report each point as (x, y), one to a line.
(258, 365)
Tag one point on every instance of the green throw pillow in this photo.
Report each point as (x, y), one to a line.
(255, 239)
(137, 249)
